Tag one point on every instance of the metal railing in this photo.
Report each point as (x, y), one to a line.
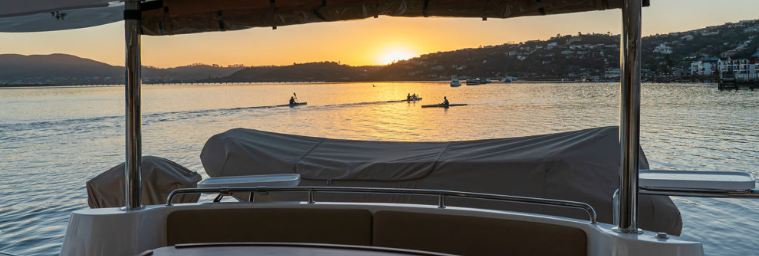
(441, 194)
(750, 194)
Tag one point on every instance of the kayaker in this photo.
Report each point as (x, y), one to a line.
(292, 101)
(413, 97)
(408, 97)
(445, 101)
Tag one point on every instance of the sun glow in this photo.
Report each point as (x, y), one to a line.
(395, 54)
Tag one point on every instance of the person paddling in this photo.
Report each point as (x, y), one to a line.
(445, 101)
(294, 99)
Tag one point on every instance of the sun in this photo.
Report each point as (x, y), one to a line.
(394, 54)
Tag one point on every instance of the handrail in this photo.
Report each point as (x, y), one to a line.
(442, 194)
(751, 194)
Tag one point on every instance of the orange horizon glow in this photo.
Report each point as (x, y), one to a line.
(364, 42)
(395, 54)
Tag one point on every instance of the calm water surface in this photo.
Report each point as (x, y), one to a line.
(52, 140)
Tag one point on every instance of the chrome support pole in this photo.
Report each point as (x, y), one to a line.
(133, 162)
(629, 116)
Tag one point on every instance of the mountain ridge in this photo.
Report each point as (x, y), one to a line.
(561, 57)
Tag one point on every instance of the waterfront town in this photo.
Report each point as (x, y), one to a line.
(703, 55)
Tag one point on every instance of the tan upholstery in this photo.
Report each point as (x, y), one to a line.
(332, 226)
(474, 236)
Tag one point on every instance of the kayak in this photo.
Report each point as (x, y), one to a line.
(417, 99)
(442, 106)
(293, 105)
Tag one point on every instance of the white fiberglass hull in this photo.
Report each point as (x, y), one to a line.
(111, 231)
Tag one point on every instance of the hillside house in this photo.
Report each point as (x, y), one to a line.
(663, 49)
(706, 66)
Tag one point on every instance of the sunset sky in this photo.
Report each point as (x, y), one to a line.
(367, 42)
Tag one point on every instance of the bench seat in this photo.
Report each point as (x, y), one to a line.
(442, 232)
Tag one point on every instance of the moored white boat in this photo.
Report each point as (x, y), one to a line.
(455, 82)
(509, 79)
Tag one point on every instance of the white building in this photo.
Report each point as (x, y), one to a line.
(742, 68)
(663, 49)
(710, 33)
(706, 66)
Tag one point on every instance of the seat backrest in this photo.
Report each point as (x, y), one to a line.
(331, 226)
(474, 236)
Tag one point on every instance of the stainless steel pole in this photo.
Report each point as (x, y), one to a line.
(629, 116)
(133, 197)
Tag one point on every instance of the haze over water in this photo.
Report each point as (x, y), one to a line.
(52, 140)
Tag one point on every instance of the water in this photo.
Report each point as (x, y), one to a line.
(52, 140)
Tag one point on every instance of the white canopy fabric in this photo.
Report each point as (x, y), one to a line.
(579, 166)
(169, 17)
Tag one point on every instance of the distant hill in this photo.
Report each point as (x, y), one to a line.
(731, 40)
(55, 68)
(64, 69)
(189, 73)
(592, 56)
(306, 72)
(580, 56)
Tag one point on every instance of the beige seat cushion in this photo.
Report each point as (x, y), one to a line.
(474, 236)
(333, 226)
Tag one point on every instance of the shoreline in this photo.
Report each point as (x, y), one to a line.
(33, 86)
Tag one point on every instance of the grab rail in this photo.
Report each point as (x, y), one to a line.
(442, 194)
(751, 194)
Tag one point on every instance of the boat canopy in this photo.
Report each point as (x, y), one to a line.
(161, 177)
(170, 17)
(579, 166)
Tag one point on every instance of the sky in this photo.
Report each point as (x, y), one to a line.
(366, 42)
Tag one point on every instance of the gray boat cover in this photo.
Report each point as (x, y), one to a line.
(578, 165)
(160, 176)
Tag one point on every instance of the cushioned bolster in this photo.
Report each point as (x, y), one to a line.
(474, 236)
(333, 226)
